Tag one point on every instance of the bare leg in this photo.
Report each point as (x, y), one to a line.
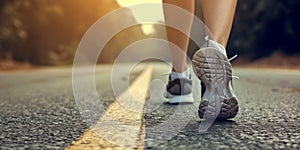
(218, 16)
(176, 37)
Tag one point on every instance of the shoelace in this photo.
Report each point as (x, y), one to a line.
(231, 59)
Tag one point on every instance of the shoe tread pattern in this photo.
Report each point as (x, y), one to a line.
(214, 69)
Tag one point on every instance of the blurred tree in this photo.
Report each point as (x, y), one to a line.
(47, 32)
(3, 3)
(11, 30)
(56, 26)
(282, 31)
(263, 27)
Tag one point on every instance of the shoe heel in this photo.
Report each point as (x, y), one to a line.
(215, 71)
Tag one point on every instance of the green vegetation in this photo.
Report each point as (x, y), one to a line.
(264, 27)
(47, 32)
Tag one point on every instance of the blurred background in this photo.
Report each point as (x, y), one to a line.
(47, 32)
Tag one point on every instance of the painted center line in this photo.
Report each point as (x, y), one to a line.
(120, 127)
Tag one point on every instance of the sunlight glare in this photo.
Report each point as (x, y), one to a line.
(125, 3)
(147, 28)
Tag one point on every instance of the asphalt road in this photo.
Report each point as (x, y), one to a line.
(38, 111)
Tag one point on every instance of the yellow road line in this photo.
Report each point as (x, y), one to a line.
(119, 127)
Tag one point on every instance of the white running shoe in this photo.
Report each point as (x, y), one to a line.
(213, 68)
(179, 90)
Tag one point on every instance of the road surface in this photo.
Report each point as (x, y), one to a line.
(38, 111)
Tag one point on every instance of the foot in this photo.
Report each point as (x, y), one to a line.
(179, 88)
(213, 68)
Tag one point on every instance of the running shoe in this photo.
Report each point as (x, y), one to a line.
(213, 68)
(179, 90)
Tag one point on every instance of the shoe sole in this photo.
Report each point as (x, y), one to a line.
(215, 71)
